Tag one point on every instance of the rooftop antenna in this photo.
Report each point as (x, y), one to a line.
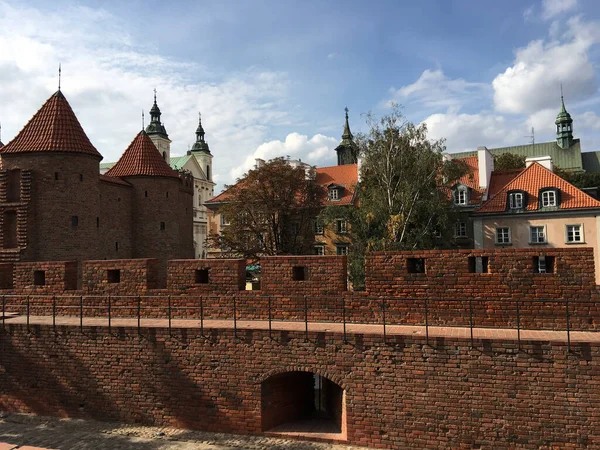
(531, 136)
(143, 126)
(59, 73)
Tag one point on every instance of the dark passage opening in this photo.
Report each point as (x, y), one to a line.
(303, 404)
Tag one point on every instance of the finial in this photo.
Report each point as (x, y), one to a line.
(346, 109)
(143, 119)
(199, 117)
(154, 95)
(561, 92)
(59, 73)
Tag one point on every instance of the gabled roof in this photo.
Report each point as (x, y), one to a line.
(53, 128)
(345, 175)
(471, 179)
(177, 162)
(531, 180)
(141, 159)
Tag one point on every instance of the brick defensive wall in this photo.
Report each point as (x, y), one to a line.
(200, 354)
(450, 291)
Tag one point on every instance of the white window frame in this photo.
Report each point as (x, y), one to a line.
(460, 197)
(341, 226)
(508, 236)
(512, 200)
(341, 250)
(224, 221)
(460, 230)
(319, 227)
(546, 197)
(319, 250)
(334, 194)
(544, 235)
(581, 239)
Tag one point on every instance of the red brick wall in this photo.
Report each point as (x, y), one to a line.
(136, 276)
(224, 275)
(324, 274)
(60, 277)
(446, 295)
(401, 395)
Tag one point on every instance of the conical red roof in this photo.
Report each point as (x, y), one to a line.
(54, 128)
(141, 158)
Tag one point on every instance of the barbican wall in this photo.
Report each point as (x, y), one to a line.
(437, 287)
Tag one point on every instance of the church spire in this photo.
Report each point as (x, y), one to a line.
(200, 145)
(155, 127)
(347, 151)
(564, 125)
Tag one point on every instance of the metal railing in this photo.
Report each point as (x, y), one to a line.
(540, 314)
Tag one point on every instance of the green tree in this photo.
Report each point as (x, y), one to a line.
(509, 161)
(405, 200)
(579, 179)
(270, 211)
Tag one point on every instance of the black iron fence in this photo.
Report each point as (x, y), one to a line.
(539, 314)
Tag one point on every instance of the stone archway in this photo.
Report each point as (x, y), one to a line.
(303, 403)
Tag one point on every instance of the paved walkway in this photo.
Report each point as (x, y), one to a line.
(351, 328)
(24, 432)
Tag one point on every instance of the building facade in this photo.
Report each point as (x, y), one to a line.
(56, 205)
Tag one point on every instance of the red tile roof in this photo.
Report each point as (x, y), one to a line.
(345, 175)
(500, 179)
(531, 180)
(114, 180)
(141, 158)
(471, 179)
(54, 128)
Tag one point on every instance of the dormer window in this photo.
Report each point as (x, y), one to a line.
(516, 200)
(335, 192)
(549, 198)
(461, 196)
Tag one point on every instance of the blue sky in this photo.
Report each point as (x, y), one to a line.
(273, 77)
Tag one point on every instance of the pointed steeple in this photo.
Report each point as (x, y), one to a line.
(200, 145)
(564, 125)
(347, 151)
(155, 127)
(53, 128)
(141, 159)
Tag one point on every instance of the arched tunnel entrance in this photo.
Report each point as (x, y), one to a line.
(303, 403)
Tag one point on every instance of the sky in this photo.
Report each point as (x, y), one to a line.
(272, 78)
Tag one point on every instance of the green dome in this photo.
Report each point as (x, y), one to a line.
(563, 116)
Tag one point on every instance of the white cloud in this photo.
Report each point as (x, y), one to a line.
(433, 89)
(466, 132)
(588, 119)
(533, 81)
(542, 121)
(318, 150)
(108, 77)
(551, 8)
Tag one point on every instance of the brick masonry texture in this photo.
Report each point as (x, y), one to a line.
(446, 294)
(401, 395)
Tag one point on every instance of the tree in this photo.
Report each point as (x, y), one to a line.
(509, 161)
(579, 179)
(270, 211)
(404, 192)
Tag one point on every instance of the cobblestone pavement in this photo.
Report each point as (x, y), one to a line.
(75, 434)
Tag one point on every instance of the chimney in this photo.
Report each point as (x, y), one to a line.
(485, 163)
(545, 161)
